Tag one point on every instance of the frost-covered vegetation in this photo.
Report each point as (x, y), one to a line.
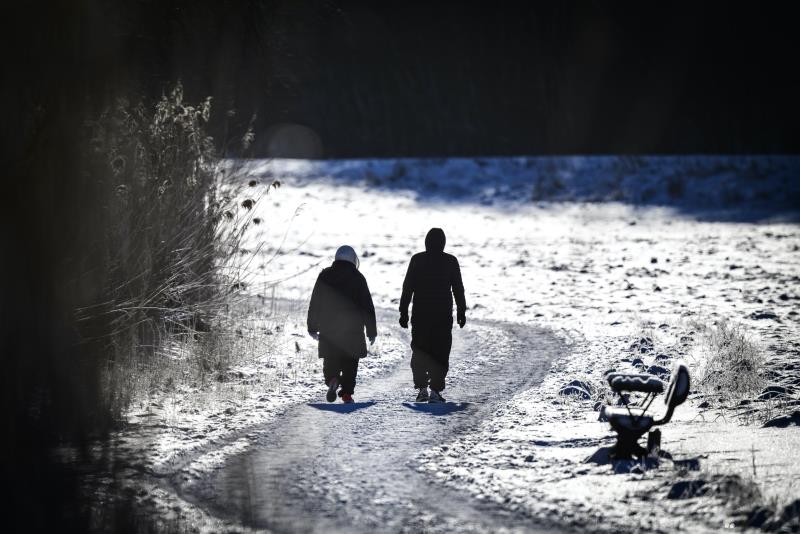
(169, 250)
(734, 365)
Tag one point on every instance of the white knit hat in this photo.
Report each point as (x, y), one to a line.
(346, 253)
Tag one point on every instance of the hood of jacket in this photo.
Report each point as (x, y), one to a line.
(435, 240)
(343, 264)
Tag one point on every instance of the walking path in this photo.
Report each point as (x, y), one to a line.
(335, 467)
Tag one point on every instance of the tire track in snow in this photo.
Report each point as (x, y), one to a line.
(318, 469)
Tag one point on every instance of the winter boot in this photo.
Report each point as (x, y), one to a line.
(436, 396)
(333, 385)
(347, 398)
(422, 396)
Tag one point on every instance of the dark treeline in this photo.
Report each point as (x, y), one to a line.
(369, 79)
(481, 78)
(461, 78)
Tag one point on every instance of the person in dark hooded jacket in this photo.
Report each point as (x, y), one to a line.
(340, 309)
(433, 279)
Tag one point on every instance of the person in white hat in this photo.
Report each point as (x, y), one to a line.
(339, 312)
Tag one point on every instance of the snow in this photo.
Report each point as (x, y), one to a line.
(597, 273)
(687, 182)
(599, 250)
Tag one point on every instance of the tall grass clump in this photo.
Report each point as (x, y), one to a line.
(169, 236)
(734, 365)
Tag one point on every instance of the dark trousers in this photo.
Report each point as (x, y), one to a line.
(430, 356)
(344, 369)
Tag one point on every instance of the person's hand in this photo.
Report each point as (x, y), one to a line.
(372, 340)
(462, 320)
(315, 335)
(404, 321)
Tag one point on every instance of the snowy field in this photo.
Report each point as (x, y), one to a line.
(632, 262)
(681, 245)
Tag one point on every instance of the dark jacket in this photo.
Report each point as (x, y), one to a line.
(340, 308)
(433, 279)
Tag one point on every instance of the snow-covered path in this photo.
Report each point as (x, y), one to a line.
(331, 467)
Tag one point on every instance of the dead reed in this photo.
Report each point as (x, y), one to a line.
(170, 247)
(734, 365)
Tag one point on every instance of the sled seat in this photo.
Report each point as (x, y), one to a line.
(644, 383)
(628, 419)
(630, 424)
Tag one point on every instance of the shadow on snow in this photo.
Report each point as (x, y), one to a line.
(444, 408)
(709, 187)
(341, 407)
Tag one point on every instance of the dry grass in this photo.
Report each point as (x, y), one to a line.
(734, 366)
(171, 251)
(200, 363)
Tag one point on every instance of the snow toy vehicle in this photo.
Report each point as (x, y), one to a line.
(630, 424)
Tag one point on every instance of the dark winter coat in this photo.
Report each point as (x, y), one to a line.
(340, 308)
(433, 279)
